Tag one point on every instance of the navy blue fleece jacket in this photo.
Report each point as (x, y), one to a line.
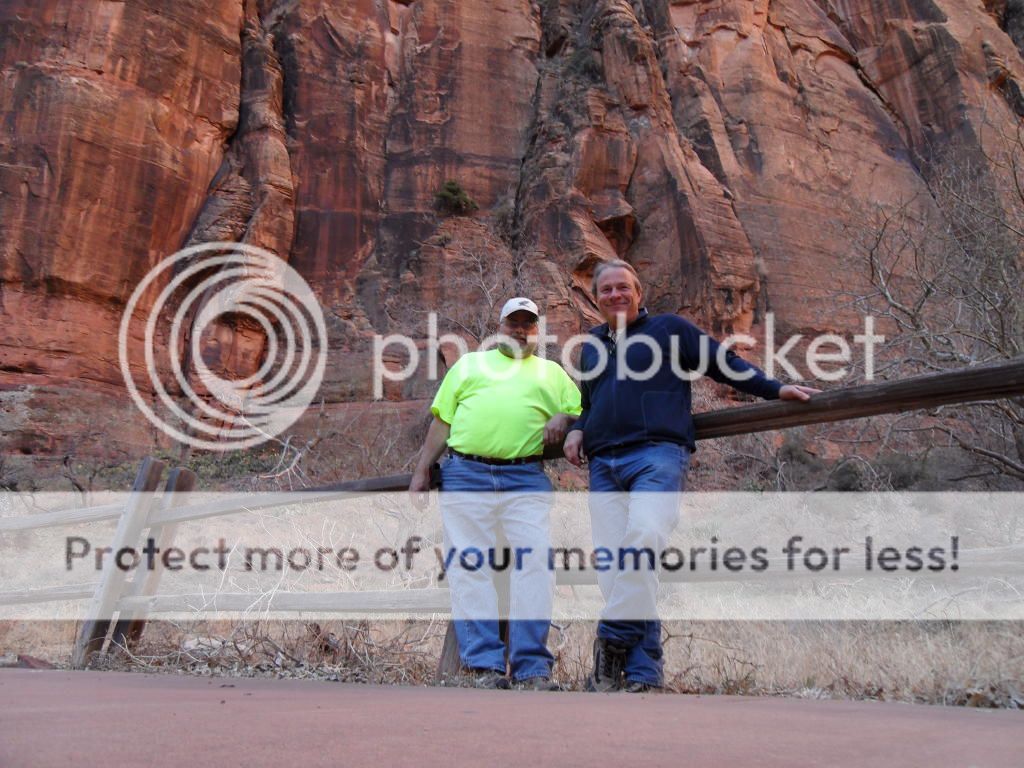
(620, 410)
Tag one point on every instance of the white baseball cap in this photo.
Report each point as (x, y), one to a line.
(518, 304)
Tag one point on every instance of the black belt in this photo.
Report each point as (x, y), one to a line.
(496, 462)
(620, 448)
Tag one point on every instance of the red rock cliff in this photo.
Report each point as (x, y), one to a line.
(719, 145)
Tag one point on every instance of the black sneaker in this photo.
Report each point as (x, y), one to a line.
(489, 679)
(609, 661)
(539, 683)
(638, 686)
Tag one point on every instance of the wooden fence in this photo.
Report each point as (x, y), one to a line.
(148, 515)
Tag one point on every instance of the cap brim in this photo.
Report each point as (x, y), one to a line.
(519, 309)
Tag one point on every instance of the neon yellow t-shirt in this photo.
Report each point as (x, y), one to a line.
(497, 405)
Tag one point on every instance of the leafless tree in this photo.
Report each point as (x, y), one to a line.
(478, 283)
(948, 277)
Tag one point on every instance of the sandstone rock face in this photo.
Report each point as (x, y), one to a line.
(727, 148)
(114, 118)
(611, 176)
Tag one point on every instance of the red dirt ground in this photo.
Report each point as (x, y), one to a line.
(50, 718)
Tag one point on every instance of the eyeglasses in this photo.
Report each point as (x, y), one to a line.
(524, 324)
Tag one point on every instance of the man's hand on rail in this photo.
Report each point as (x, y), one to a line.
(797, 392)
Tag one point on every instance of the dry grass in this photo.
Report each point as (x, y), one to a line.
(950, 663)
(929, 662)
(962, 663)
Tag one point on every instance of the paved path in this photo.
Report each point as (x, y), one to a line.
(53, 718)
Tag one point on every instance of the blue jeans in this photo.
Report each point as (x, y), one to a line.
(634, 503)
(475, 499)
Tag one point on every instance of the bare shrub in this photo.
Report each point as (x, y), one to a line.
(353, 651)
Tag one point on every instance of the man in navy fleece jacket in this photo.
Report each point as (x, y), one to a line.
(637, 431)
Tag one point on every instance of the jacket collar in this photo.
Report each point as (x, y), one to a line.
(605, 332)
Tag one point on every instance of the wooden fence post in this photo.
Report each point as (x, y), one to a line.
(94, 631)
(129, 626)
(449, 665)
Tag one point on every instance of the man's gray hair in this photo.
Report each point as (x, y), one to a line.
(604, 266)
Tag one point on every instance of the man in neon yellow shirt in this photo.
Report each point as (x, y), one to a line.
(494, 413)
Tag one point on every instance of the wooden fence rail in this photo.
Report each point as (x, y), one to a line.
(132, 601)
(983, 382)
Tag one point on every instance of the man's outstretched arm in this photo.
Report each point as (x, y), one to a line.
(729, 368)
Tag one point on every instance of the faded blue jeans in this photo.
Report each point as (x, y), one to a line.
(475, 499)
(634, 504)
